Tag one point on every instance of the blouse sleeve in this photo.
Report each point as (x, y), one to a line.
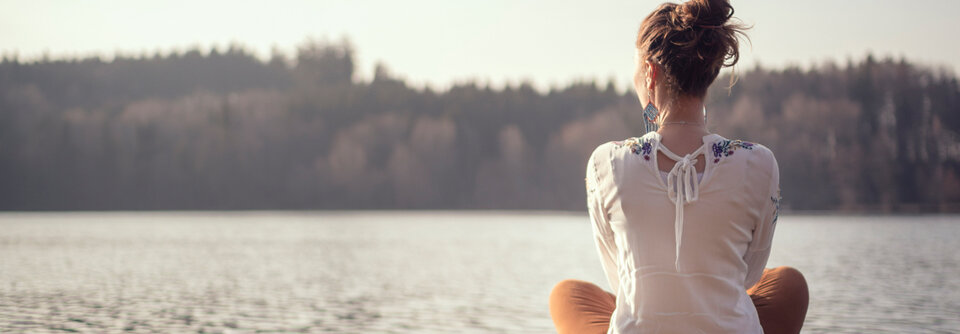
(758, 251)
(603, 235)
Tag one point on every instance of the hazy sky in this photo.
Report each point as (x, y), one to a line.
(444, 41)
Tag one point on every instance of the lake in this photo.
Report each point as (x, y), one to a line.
(418, 272)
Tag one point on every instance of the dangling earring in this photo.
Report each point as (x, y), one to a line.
(704, 115)
(650, 114)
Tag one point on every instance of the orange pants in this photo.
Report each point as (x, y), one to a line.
(780, 296)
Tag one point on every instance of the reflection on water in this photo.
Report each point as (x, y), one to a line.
(421, 272)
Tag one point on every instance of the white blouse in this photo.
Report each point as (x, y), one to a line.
(679, 252)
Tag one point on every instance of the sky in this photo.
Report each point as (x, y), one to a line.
(442, 42)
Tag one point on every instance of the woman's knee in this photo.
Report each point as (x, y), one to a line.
(567, 288)
(580, 307)
(791, 281)
(789, 275)
(570, 293)
(787, 271)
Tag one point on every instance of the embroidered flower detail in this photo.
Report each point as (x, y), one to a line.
(776, 210)
(645, 149)
(637, 146)
(725, 148)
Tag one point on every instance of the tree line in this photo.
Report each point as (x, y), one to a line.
(225, 130)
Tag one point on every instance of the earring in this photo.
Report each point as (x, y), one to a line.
(650, 114)
(704, 115)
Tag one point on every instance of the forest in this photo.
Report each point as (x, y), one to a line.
(225, 130)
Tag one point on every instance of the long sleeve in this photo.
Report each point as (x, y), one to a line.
(758, 251)
(599, 218)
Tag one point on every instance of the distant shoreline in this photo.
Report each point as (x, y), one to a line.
(531, 212)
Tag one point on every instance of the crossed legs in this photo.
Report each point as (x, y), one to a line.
(781, 298)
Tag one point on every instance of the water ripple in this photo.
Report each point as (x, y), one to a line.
(425, 272)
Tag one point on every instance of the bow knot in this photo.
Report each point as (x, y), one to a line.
(682, 188)
(682, 184)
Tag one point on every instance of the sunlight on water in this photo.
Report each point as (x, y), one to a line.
(419, 272)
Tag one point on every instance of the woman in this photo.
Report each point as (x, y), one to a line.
(683, 218)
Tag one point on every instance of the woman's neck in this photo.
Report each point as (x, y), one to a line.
(683, 117)
(688, 110)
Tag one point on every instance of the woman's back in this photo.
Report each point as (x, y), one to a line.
(686, 268)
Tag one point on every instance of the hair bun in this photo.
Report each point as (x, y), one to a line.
(692, 41)
(701, 14)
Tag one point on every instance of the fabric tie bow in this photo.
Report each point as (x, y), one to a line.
(682, 188)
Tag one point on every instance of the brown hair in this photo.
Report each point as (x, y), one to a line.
(692, 41)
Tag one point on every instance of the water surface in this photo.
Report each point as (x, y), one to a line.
(417, 272)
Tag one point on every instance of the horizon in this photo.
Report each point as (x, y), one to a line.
(360, 77)
(494, 43)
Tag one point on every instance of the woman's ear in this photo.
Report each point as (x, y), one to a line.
(652, 74)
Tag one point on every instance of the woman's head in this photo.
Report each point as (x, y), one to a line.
(682, 47)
